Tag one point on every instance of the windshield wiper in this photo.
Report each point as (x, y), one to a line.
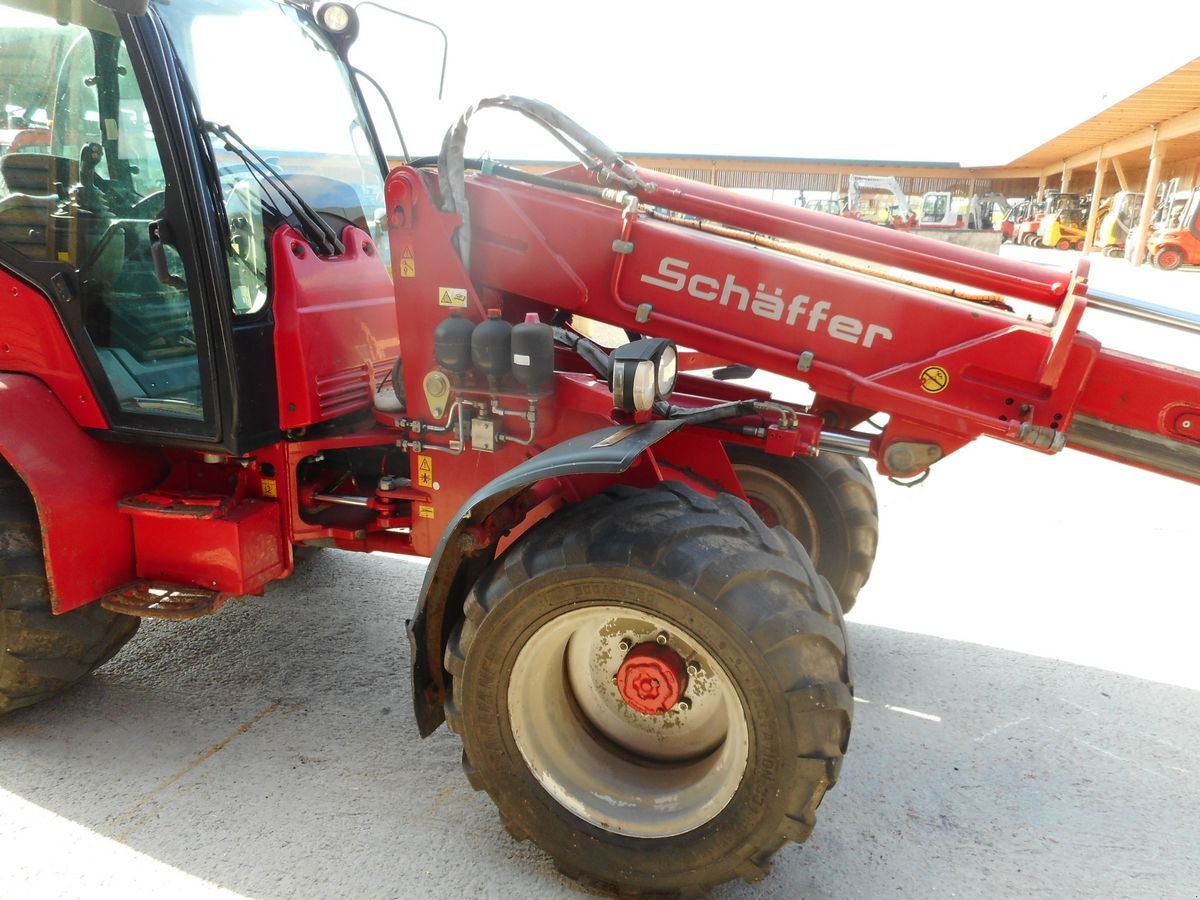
(319, 232)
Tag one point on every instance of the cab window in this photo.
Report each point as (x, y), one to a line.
(82, 185)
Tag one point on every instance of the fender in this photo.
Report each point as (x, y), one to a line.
(75, 481)
(607, 451)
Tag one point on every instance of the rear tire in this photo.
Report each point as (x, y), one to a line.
(828, 503)
(42, 654)
(676, 801)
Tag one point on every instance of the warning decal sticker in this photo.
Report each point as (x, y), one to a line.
(456, 297)
(424, 471)
(934, 379)
(408, 264)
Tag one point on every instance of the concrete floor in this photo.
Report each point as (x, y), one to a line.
(1028, 720)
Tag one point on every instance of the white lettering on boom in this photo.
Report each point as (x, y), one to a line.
(673, 275)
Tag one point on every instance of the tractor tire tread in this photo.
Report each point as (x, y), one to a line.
(675, 530)
(42, 654)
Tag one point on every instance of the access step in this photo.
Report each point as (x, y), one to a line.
(157, 600)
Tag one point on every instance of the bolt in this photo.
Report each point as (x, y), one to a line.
(624, 646)
(662, 638)
(1186, 423)
(684, 704)
(693, 669)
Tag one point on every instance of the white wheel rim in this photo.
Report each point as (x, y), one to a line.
(649, 776)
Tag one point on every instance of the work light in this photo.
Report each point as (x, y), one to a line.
(642, 372)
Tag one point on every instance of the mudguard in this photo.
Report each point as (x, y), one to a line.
(75, 481)
(607, 451)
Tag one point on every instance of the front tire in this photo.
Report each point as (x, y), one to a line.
(828, 502)
(42, 654)
(1169, 258)
(670, 801)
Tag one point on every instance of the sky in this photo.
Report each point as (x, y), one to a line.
(927, 80)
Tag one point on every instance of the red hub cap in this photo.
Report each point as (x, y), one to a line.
(652, 678)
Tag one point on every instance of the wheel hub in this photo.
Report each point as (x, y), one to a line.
(652, 678)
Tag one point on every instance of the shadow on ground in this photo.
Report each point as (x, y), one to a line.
(270, 751)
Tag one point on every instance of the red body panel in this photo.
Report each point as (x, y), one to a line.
(235, 550)
(76, 481)
(32, 340)
(946, 369)
(335, 327)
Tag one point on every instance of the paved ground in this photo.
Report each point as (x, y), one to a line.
(1028, 721)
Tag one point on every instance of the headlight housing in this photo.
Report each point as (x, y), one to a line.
(339, 21)
(642, 372)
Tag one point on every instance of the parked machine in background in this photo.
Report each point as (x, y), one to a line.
(1117, 219)
(1027, 232)
(942, 210)
(1065, 229)
(894, 212)
(1175, 236)
(1018, 213)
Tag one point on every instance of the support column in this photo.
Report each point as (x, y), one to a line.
(1120, 170)
(1097, 190)
(1065, 180)
(1143, 227)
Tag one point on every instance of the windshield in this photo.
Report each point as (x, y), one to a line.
(265, 70)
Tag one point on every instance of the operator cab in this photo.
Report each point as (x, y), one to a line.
(143, 176)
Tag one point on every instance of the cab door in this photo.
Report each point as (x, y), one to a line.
(104, 203)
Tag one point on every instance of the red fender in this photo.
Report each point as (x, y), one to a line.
(75, 481)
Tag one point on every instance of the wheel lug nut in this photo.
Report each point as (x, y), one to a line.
(693, 669)
(624, 645)
(662, 638)
(684, 704)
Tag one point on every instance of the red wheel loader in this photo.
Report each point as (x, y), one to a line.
(228, 332)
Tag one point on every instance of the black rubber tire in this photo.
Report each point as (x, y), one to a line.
(42, 654)
(1169, 258)
(746, 594)
(828, 502)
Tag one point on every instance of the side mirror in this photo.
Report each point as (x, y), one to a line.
(128, 7)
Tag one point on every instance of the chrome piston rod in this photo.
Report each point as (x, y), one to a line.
(1140, 309)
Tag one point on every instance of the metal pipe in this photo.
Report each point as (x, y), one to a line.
(847, 443)
(975, 268)
(342, 499)
(1140, 309)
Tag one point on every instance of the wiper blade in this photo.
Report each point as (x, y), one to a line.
(317, 230)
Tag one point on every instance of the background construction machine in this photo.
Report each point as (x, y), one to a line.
(633, 609)
(1117, 218)
(1175, 234)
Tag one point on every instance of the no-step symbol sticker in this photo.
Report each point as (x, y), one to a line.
(934, 379)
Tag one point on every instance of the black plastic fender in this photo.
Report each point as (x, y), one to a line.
(607, 451)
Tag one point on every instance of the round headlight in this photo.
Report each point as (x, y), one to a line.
(643, 386)
(668, 370)
(335, 18)
(643, 371)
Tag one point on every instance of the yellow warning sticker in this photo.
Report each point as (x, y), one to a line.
(408, 263)
(424, 471)
(452, 297)
(425, 512)
(934, 379)
(270, 488)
